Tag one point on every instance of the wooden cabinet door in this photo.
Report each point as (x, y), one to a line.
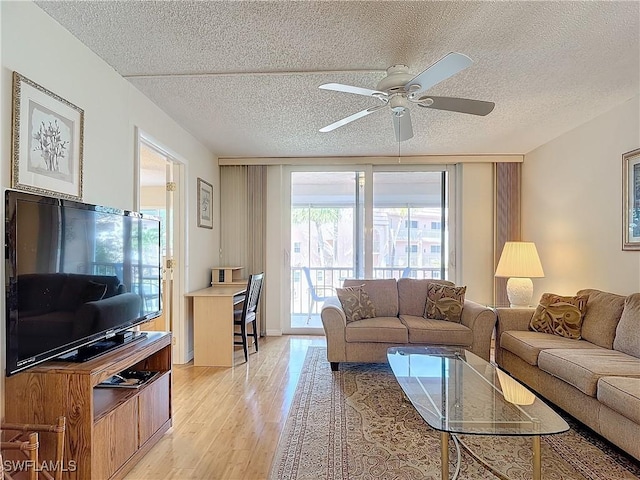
(115, 439)
(154, 407)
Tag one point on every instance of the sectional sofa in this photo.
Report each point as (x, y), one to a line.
(399, 307)
(596, 379)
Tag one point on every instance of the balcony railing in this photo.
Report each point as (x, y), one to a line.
(327, 279)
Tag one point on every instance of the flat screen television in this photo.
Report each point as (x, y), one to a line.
(77, 276)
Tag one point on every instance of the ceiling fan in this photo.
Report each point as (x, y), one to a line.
(400, 89)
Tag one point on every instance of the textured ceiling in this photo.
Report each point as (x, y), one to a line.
(243, 76)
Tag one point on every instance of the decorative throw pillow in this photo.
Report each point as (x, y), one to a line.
(560, 315)
(356, 303)
(444, 302)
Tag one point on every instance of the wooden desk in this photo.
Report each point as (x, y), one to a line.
(213, 324)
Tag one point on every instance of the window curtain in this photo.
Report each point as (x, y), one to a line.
(243, 214)
(507, 218)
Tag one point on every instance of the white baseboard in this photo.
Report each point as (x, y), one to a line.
(274, 333)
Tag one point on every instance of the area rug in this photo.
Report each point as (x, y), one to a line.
(354, 424)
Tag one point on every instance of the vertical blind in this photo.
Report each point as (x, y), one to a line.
(243, 215)
(507, 218)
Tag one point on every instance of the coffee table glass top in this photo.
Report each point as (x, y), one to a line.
(458, 392)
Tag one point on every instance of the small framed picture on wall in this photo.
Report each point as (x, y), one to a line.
(631, 200)
(205, 204)
(47, 138)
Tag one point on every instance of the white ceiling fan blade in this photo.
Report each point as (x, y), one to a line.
(402, 126)
(339, 87)
(351, 118)
(444, 68)
(462, 105)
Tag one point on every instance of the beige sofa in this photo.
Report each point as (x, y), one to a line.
(595, 379)
(400, 305)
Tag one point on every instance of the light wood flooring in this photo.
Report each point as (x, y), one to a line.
(227, 421)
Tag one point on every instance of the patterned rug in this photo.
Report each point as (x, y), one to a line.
(354, 424)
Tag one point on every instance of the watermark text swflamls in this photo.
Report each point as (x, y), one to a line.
(14, 466)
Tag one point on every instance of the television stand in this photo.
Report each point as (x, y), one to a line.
(108, 429)
(95, 349)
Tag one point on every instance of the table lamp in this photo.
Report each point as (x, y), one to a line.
(519, 262)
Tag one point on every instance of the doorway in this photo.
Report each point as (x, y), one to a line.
(158, 181)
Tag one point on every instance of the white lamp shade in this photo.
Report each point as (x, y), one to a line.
(519, 259)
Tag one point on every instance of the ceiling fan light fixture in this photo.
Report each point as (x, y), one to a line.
(398, 102)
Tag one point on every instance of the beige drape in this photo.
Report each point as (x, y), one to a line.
(243, 214)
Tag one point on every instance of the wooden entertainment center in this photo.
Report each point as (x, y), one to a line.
(108, 429)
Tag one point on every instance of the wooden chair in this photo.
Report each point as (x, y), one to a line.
(30, 450)
(24, 438)
(248, 314)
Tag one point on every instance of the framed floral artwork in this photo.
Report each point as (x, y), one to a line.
(631, 200)
(205, 204)
(47, 139)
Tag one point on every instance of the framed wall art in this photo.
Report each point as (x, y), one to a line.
(631, 200)
(205, 204)
(47, 141)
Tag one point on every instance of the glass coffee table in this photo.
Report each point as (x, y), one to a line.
(457, 392)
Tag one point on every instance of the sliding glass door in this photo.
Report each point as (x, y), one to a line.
(366, 222)
(322, 253)
(410, 236)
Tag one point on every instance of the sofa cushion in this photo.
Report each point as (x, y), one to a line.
(527, 345)
(377, 330)
(355, 303)
(412, 295)
(582, 368)
(559, 315)
(436, 332)
(444, 302)
(621, 394)
(602, 317)
(382, 292)
(628, 330)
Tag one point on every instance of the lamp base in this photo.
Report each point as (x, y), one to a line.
(519, 292)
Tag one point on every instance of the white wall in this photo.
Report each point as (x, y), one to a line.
(36, 46)
(572, 205)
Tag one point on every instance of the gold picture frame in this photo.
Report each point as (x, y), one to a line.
(47, 141)
(205, 204)
(631, 200)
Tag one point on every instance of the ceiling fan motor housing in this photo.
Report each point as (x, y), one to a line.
(397, 77)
